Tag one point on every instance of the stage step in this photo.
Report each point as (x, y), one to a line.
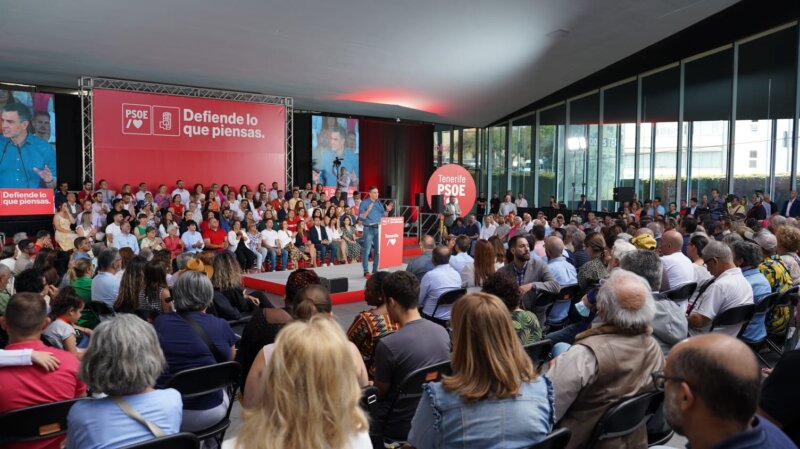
(410, 241)
(409, 251)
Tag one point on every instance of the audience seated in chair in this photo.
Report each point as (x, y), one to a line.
(711, 385)
(417, 344)
(123, 362)
(191, 338)
(494, 395)
(728, 290)
(524, 322)
(25, 386)
(263, 327)
(308, 396)
(371, 325)
(606, 362)
(308, 302)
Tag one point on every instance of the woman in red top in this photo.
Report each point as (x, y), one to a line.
(176, 206)
(172, 242)
(292, 220)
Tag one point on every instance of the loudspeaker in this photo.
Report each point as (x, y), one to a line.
(334, 285)
(437, 204)
(391, 192)
(623, 194)
(420, 202)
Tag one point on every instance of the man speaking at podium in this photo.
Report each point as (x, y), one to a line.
(26, 161)
(370, 213)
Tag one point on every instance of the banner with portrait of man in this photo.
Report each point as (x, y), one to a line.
(334, 152)
(27, 152)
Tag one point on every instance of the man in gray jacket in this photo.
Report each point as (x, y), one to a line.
(669, 324)
(532, 275)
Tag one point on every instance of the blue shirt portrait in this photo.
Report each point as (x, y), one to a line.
(17, 163)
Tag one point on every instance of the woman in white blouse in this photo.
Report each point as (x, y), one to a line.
(335, 237)
(488, 228)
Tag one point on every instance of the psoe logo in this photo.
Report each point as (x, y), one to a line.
(137, 119)
(391, 239)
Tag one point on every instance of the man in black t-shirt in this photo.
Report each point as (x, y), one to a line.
(494, 204)
(417, 344)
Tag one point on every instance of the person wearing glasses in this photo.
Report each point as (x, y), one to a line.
(606, 363)
(727, 290)
(711, 386)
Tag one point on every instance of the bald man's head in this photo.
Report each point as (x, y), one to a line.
(671, 242)
(553, 247)
(721, 372)
(428, 243)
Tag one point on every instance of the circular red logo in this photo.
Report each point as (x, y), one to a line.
(453, 180)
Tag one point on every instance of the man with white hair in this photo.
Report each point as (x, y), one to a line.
(727, 290)
(607, 361)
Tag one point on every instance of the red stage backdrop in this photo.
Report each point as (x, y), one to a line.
(161, 138)
(453, 180)
(391, 242)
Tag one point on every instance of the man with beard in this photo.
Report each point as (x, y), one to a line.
(711, 385)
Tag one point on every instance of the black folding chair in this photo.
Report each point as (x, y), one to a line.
(411, 387)
(740, 315)
(557, 439)
(102, 310)
(760, 310)
(539, 352)
(682, 293)
(34, 423)
(568, 296)
(208, 379)
(446, 299)
(787, 299)
(625, 417)
(183, 440)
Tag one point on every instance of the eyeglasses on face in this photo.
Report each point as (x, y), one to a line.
(660, 379)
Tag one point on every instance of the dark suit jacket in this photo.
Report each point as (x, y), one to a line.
(312, 235)
(794, 212)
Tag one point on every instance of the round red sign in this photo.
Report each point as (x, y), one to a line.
(453, 180)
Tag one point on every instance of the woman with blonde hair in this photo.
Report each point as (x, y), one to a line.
(309, 302)
(494, 394)
(475, 274)
(308, 396)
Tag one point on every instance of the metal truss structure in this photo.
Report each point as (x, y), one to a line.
(86, 84)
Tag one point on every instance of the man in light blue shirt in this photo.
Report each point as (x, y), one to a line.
(563, 271)
(461, 256)
(657, 207)
(370, 213)
(125, 239)
(192, 240)
(442, 279)
(105, 286)
(26, 161)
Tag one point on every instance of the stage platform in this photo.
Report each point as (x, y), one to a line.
(275, 282)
